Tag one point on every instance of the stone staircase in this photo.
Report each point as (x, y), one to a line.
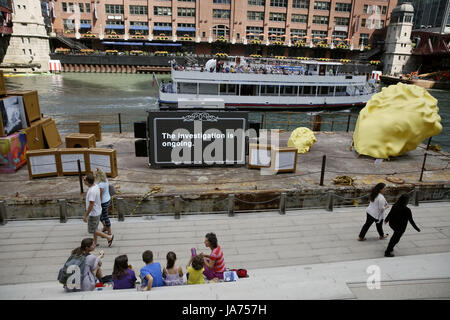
(368, 54)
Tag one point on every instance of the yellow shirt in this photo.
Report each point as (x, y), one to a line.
(195, 276)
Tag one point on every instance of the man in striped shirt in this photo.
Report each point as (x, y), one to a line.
(214, 263)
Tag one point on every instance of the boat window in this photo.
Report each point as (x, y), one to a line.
(187, 87)
(269, 90)
(323, 90)
(340, 90)
(208, 88)
(249, 90)
(300, 91)
(227, 89)
(288, 90)
(307, 90)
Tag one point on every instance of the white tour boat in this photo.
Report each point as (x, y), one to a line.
(264, 83)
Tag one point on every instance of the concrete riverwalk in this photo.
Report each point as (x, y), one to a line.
(305, 254)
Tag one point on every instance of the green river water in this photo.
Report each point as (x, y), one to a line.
(71, 97)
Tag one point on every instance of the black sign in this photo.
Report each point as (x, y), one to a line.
(196, 137)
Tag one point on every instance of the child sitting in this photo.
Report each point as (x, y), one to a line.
(195, 272)
(151, 274)
(123, 275)
(172, 275)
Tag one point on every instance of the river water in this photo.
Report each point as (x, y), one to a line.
(71, 97)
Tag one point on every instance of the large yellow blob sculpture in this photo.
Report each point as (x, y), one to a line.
(396, 120)
(302, 138)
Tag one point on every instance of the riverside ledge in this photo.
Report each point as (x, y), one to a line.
(179, 191)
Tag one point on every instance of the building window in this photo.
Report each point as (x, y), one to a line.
(222, 1)
(140, 31)
(221, 31)
(384, 10)
(221, 14)
(186, 12)
(321, 5)
(162, 11)
(186, 0)
(277, 31)
(300, 18)
(364, 39)
(319, 33)
(256, 31)
(139, 10)
(81, 6)
(64, 7)
(298, 32)
(275, 16)
(300, 4)
(278, 3)
(343, 7)
(320, 19)
(114, 8)
(88, 7)
(363, 23)
(340, 21)
(256, 2)
(71, 8)
(255, 15)
(69, 24)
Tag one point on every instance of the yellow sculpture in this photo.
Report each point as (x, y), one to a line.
(396, 120)
(302, 138)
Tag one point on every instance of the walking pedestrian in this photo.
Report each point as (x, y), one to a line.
(103, 184)
(375, 212)
(398, 219)
(94, 210)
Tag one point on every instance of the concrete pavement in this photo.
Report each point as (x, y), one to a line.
(266, 244)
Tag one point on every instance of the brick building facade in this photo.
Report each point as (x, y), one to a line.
(200, 23)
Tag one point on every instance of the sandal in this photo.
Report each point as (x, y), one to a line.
(110, 241)
(384, 237)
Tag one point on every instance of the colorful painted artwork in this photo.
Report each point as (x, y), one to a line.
(12, 152)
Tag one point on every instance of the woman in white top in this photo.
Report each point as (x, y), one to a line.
(375, 212)
(103, 184)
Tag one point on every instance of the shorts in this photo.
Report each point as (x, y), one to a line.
(93, 222)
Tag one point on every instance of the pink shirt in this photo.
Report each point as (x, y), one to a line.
(217, 256)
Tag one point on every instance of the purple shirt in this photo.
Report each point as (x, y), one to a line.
(126, 281)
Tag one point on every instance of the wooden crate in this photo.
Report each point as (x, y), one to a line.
(91, 127)
(68, 160)
(80, 140)
(259, 155)
(2, 83)
(104, 159)
(35, 137)
(43, 163)
(51, 134)
(30, 102)
(283, 159)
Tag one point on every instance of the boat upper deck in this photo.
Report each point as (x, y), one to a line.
(242, 69)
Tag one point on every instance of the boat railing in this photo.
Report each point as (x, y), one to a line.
(272, 71)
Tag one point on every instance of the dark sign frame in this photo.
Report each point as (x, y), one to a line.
(192, 132)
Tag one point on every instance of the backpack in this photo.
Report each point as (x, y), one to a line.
(242, 273)
(74, 260)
